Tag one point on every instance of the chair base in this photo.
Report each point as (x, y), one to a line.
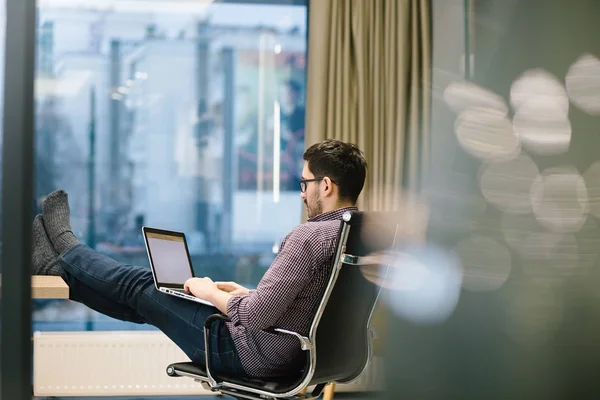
(251, 396)
(246, 388)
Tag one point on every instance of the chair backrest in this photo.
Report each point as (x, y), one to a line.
(342, 342)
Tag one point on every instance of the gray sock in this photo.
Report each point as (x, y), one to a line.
(44, 257)
(56, 212)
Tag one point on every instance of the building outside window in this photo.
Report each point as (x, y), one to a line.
(179, 115)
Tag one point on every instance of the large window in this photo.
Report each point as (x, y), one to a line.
(178, 115)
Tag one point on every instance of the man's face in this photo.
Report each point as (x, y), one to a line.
(312, 196)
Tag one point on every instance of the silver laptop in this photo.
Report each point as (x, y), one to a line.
(170, 262)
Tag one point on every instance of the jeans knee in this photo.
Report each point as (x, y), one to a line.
(137, 281)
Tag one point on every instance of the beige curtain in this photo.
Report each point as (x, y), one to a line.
(369, 67)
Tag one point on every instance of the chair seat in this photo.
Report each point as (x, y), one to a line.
(274, 385)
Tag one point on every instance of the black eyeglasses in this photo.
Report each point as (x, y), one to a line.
(303, 182)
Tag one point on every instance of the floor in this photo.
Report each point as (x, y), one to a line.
(339, 396)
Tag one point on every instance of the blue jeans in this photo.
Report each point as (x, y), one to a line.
(127, 293)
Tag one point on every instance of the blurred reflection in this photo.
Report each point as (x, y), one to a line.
(539, 86)
(583, 83)
(588, 239)
(506, 185)
(453, 209)
(425, 285)
(534, 312)
(541, 112)
(517, 229)
(486, 263)
(527, 319)
(542, 126)
(487, 133)
(560, 199)
(551, 256)
(592, 182)
(460, 96)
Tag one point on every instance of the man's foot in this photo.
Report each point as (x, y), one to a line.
(44, 257)
(56, 212)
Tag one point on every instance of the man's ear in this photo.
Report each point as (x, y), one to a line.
(328, 189)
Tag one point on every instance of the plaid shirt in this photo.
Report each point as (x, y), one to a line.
(287, 297)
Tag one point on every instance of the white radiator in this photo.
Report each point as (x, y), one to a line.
(107, 364)
(126, 363)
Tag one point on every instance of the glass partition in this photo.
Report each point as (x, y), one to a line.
(514, 194)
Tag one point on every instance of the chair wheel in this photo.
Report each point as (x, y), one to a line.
(170, 371)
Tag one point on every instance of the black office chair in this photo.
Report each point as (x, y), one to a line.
(338, 347)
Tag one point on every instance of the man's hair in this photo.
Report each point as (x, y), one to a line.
(342, 162)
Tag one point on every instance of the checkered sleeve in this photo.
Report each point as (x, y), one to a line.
(291, 271)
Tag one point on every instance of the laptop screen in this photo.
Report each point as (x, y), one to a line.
(169, 257)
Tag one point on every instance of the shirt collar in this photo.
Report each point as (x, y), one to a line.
(332, 215)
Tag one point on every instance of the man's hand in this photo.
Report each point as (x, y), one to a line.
(203, 288)
(232, 288)
(217, 293)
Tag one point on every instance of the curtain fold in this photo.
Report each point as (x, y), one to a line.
(369, 68)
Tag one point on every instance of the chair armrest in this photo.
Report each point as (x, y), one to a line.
(207, 324)
(305, 342)
(212, 318)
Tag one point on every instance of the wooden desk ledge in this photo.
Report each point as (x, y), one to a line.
(48, 287)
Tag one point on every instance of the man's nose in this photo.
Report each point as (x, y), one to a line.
(302, 195)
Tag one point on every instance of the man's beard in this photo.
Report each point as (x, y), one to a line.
(317, 207)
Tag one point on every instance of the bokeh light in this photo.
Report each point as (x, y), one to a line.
(560, 199)
(583, 83)
(539, 86)
(588, 239)
(542, 127)
(486, 263)
(551, 256)
(452, 206)
(517, 230)
(460, 96)
(487, 134)
(425, 285)
(507, 185)
(592, 182)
